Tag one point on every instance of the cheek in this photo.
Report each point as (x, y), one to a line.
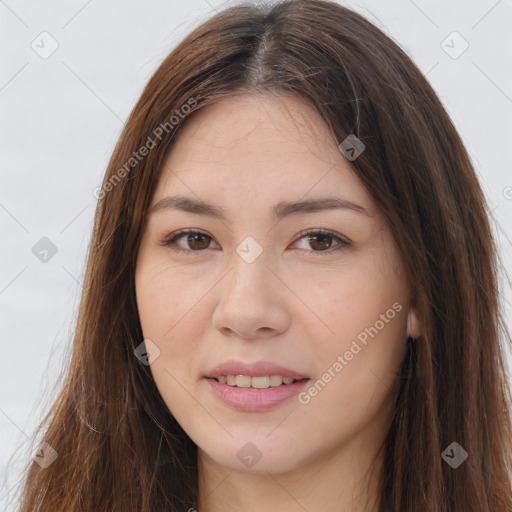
(166, 310)
(348, 301)
(174, 314)
(360, 316)
(357, 365)
(164, 295)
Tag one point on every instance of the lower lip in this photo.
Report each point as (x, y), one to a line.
(250, 399)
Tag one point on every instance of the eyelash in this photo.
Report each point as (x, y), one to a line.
(173, 238)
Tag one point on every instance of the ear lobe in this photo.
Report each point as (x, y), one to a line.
(413, 324)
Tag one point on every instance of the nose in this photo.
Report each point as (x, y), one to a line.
(252, 302)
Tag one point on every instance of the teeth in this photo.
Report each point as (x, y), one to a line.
(276, 380)
(243, 381)
(259, 382)
(246, 381)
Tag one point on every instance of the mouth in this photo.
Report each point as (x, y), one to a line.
(259, 382)
(254, 387)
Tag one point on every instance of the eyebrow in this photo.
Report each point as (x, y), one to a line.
(280, 210)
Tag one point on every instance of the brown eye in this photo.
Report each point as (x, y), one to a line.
(193, 241)
(198, 241)
(320, 242)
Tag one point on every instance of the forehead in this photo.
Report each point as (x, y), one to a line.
(260, 147)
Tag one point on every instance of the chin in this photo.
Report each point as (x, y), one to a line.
(255, 458)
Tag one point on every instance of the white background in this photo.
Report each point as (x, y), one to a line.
(61, 116)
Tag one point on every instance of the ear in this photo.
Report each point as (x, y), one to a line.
(413, 323)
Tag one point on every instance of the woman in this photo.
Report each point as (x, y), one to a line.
(291, 298)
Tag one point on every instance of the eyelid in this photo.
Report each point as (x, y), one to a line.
(177, 235)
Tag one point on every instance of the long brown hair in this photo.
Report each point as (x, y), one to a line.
(120, 449)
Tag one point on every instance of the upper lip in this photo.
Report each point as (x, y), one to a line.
(255, 369)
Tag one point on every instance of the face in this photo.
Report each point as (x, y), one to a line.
(290, 271)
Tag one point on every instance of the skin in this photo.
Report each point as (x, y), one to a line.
(294, 305)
